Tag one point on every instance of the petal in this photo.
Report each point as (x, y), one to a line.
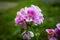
(31, 12)
(31, 34)
(36, 9)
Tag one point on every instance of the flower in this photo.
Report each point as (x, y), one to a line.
(37, 16)
(50, 34)
(19, 20)
(58, 26)
(49, 31)
(27, 35)
(57, 30)
(52, 38)
(32, 13)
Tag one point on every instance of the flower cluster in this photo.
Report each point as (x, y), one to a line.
(29, 14)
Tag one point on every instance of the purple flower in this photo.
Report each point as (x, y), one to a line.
(57, 30)
(52, 38)
(58, 26)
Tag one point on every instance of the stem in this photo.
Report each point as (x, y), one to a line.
(26, 27)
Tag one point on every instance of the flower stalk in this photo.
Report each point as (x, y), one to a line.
(27, 15)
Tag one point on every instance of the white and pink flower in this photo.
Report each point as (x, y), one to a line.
(29, 14)
(49, 31)
(28, 35)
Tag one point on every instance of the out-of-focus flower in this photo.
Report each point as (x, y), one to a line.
(32, 13)
(49, 31)
(19, 20)
(57, 30)
(50, 34)
(38, 16)
(52, 38)
(58, 26)
(27, 35)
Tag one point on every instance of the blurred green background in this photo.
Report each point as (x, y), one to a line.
(9, 8)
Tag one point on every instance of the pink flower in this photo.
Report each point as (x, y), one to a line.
(38, 17)
(29, 14)
(19, 20)
(49, 31)
(35, 14)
